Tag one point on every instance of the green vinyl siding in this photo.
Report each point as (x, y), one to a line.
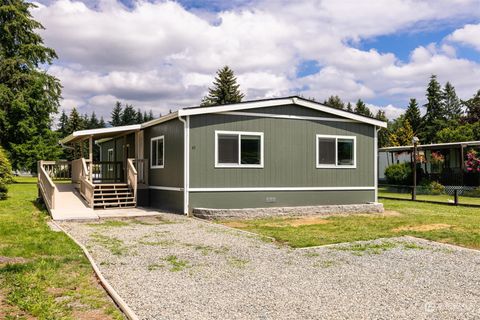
(289, 153)
(260, 199)
(171, 175)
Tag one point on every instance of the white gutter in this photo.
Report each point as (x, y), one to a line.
(186, 162)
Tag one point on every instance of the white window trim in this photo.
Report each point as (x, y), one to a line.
(238, 164)
(110, 166)
(163, 152)
(336, 165)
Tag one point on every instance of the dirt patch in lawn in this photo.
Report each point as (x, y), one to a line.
(303, 221)
(423, 227)
(5, 260)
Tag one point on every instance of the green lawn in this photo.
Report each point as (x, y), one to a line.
(444, 198)
(43, 274)
(444, 223)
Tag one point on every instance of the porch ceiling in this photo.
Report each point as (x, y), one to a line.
(99, 133)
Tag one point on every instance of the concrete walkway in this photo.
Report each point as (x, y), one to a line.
(70, 205)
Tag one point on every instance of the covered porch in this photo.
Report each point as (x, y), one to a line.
(105, 171)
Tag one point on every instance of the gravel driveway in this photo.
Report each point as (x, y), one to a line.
(173, 267)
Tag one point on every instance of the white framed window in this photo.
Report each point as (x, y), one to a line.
(110, 159)
(336, 151)
(157, 152)
(238, 149)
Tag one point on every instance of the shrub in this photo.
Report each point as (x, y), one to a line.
(432, 187)
(5, 174)
(475, 192)
(399, 174)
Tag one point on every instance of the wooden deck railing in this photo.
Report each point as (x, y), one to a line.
(46, 186)
(86, 186)
(142, 170)
(58, 170)
(132, 178)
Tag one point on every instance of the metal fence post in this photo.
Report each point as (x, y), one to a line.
(455, 197)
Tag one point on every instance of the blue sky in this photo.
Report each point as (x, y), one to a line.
(163, 55)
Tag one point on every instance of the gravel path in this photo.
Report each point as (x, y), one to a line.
(173, 267)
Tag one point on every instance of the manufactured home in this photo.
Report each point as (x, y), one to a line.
(274, 153)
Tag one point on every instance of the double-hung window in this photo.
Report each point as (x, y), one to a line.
(335, 151)
(238, 149)
(157, 152)
(110, 165)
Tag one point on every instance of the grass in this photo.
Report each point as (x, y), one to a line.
(114, 245)
(48, 277)
(177, 264)
(438, 222)
(367, 248)
(443, 198)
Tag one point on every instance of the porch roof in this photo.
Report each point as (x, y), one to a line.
(99, 133)
(431, 146)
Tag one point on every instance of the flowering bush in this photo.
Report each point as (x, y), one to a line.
(437, 157)
(473, 162)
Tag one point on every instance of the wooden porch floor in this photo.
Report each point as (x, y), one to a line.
(69, 205)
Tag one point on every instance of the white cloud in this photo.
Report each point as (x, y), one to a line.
(468, 35)
(161, 56)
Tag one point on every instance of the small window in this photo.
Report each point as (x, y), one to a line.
(157, 152)
(336, 151)
(239, 149)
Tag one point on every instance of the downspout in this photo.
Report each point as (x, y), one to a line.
(375, 161)
(186, 162)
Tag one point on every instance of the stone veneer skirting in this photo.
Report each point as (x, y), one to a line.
(247, 213)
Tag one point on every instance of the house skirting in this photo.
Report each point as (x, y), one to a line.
(208, 213)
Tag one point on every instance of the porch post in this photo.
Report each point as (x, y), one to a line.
(81, 148)
(90, 157)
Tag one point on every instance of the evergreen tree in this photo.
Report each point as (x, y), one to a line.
(349, 107)
(150, 115)
(225, 89)
(29, 96)
(334, 102)
(63, 125)
(383, 140)
(472, 107)
(117, 114)
(362, 109)
(101, 123)
(451, 103)
(435, 117)
(129, 115)
(93, 122)
(412, 114)
(139, 117)
(75, 122)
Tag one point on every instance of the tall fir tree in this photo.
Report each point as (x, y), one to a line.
(101, 123)
(116, 115)
(451, 103)
(75, 121)
(383, 140)
(335, 102)
(225, 89)
(362, 109)
(150, 115)
(129, 115)
(435, 116)
(62, 126)
(412, 114)
(93, 122)
(29, 95)
(139, 117)
(472, 108)
(349, 107)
